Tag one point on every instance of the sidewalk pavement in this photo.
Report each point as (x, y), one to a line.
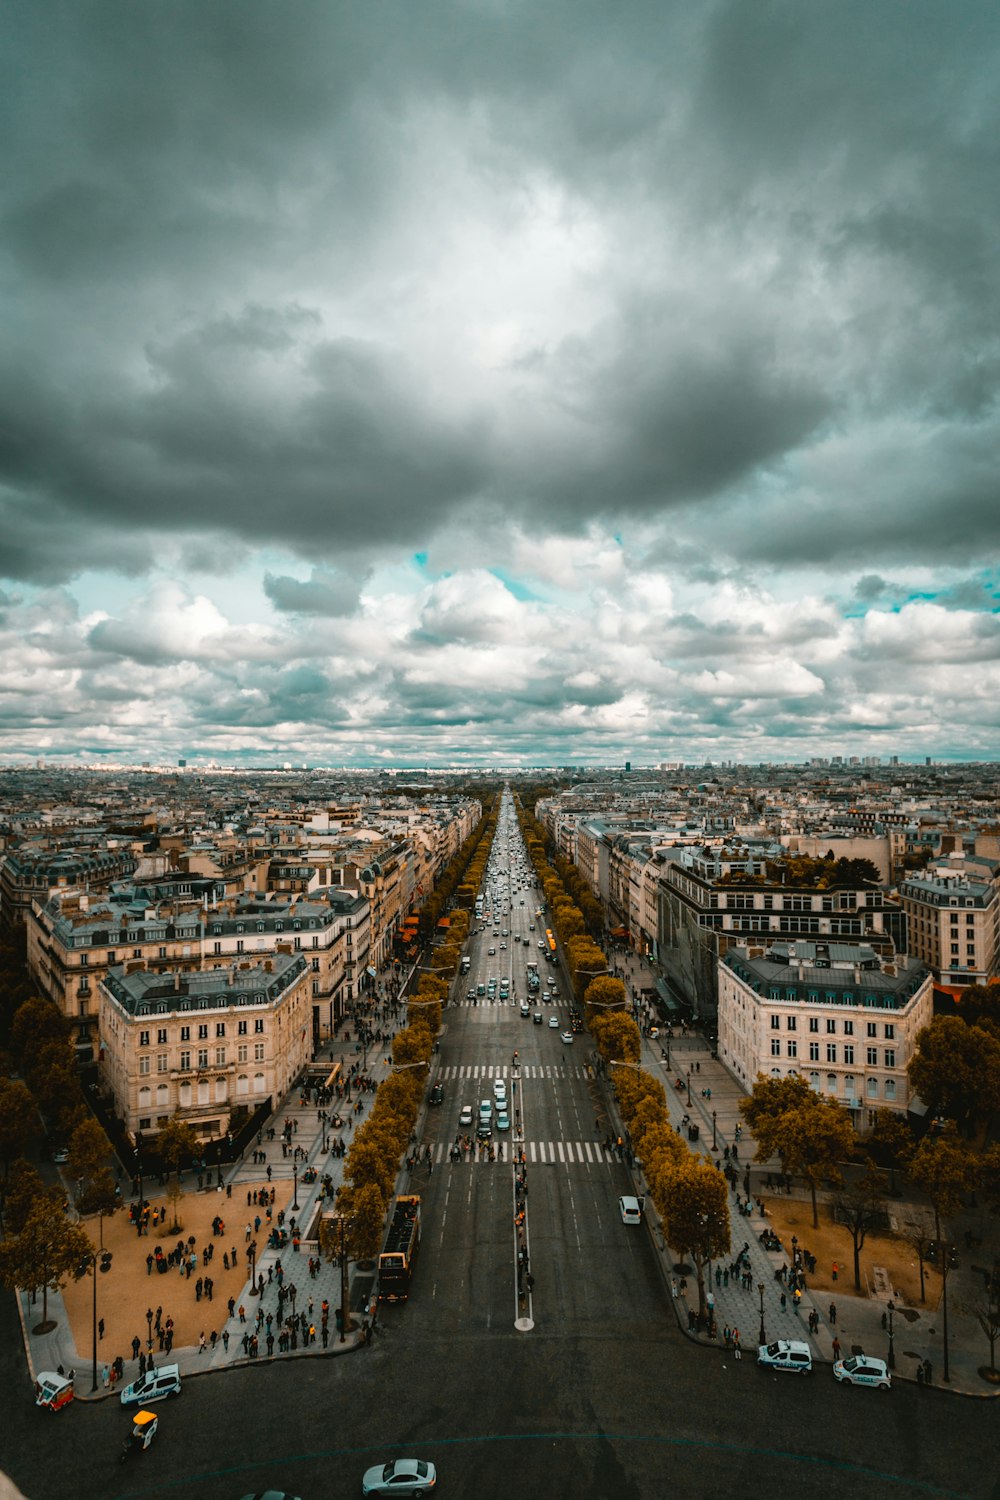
(59, 1347)
(918, 1331)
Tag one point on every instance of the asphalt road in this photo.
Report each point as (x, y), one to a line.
(603, 1398)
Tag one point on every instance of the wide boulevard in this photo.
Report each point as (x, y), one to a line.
(585, 1386)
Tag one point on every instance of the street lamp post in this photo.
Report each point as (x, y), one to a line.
(253, 1268)
(714, 1146)
(761, 1335)
(93, 1272)
(892, 1350)
(295, 1180)
(689, 1087)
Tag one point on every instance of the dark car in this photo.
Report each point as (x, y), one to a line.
(437, 1094)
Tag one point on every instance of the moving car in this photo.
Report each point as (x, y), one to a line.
(861, 1369)
(503, 1118)
(553, 1023)
(537, 1018)
(154, 1386)
(786, 1354)
(402, 1476)
(630, 1210)
(465, 1118)
(567, 1037)
(499, 1088)
(525, 1008)
(436, 1094)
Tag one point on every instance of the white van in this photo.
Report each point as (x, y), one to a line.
(630, 1210)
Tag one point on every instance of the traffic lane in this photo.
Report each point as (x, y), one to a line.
(587, 1265)
(465, 1280)
(595, 1417)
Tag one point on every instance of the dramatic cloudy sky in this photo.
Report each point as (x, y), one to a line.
(550, 381)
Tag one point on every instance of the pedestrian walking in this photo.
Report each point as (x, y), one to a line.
(225, 1339)
(833, 1314)
(201, 1342)
(836, 1349)
(737, 1346)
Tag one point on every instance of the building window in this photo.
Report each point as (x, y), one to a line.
(848, 1028)
(161, 1062)
(241, 1052)
(185, 1061)
(258, 1051)
(872, 1087)
(792, 1047)
(185, 1033)
(220, 1028)
(216, 947)
(143, 1038)
(161, 1036)
(848, 1053)
(814, 1051)
(790, 1023)
(831, 1083)
(872, 1028)
(890, 1032)
(258, 1026)
(814, 1023)
(890, 1088)
(239, 945)
(203, 1032)
(241, 1028)
(144, 1065)
(831, 1026)
(890, 1057)
(775, 1023)
(203, 1057)
(776, 1046)
(872, 1057)
(220, 1057)
(831, 1052)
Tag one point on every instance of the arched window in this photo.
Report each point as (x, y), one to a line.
(243, 1084)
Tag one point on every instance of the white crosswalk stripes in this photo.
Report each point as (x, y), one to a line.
(537, 1153)
(470, 1073)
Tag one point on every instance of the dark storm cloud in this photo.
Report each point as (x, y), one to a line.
(323, 593)
(219, 230)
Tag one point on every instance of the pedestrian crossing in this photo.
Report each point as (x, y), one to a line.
(470, 1073)
(536, 1153)
(559, 1002)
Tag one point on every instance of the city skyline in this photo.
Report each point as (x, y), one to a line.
(465, 384)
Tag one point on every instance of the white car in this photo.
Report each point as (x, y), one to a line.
(499, 1089)
(786, 1354)
(402, 1476)
(861, 1369)
(553, 1023)
(465, 1118)
(567, 1037)
(630, 1210)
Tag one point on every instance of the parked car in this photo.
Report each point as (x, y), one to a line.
(154, 1386)
(861, 1369)
(786, 1354)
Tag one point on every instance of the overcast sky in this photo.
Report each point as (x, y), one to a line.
(449, 382)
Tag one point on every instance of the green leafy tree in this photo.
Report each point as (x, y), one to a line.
(89, 1150)
(891, 1142)
(24, 1186)
(956, 1069)
(692, 1201)
(764, 1109)
(47, 1250)
(813, 1140)
(36, 1022)
(18, 1119)
(943, 1169)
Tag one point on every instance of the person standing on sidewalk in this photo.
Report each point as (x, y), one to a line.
(737, 1346)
